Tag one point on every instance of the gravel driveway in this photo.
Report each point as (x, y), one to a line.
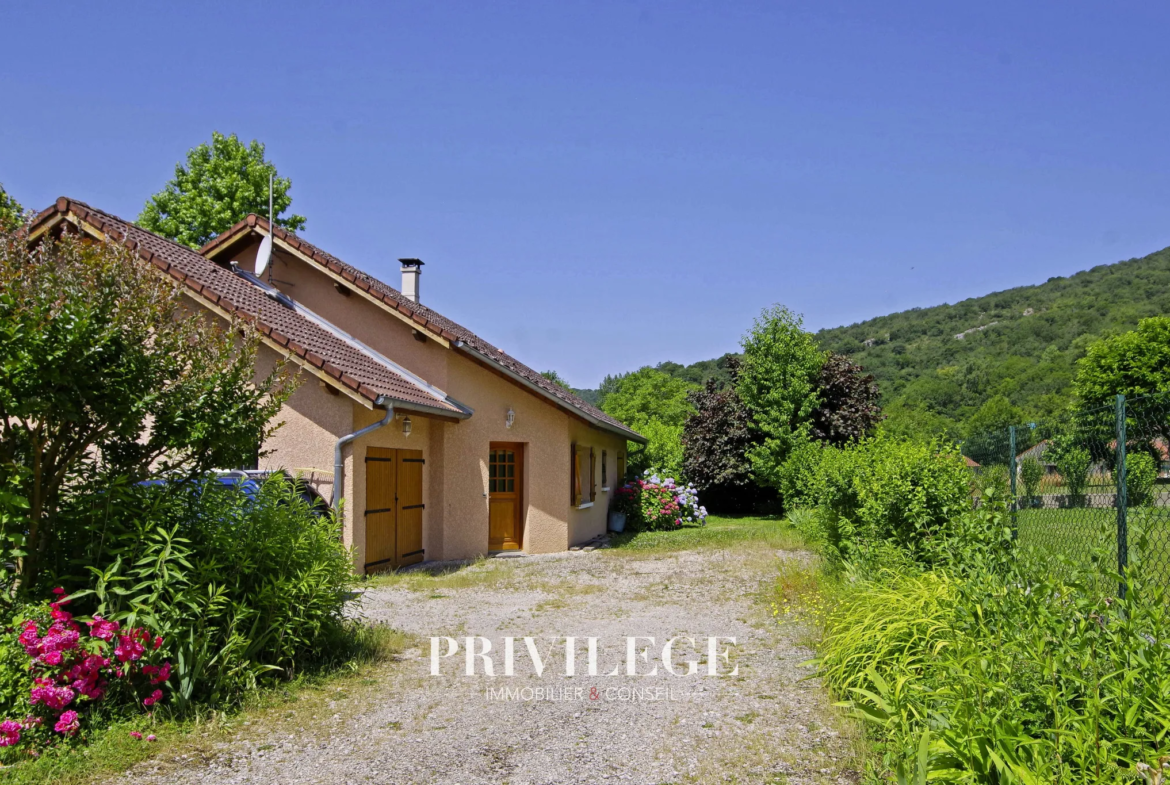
(401, 724)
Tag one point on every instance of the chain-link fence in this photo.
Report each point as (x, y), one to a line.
(1093, 486)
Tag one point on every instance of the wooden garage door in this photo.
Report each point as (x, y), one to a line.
(394, 507)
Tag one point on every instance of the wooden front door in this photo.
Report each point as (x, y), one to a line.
(394, 507)
(505, 496)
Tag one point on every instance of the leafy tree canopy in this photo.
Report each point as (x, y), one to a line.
(1131, 364)
(994, 416)
(219, 185)
(648, 394)
(11, 212)
(778, 383)
(106, 380)
(717, 440)
(556, 378)
(848, 410)
(654, 404)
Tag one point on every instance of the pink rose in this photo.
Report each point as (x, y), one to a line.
(67, 723)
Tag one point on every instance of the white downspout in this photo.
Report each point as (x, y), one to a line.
(339, 463)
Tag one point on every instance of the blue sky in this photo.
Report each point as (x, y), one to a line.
(597, 186)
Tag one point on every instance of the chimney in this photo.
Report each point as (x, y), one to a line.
(411, 270)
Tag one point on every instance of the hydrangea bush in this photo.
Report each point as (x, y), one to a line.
(653, 503)
(72, 673)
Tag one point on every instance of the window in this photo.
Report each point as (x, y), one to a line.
(502, 471)
(604, 471)
(582, 484)
(621, 468)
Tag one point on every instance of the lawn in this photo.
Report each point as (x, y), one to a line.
(1079, 534)
(720, 532)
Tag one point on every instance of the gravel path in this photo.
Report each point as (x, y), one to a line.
(402, 725)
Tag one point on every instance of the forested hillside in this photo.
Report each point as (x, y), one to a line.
(989, 360)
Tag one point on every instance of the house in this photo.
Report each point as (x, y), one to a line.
(1038, 451)
(434, 443)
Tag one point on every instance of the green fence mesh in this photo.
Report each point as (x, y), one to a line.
(1092, 487)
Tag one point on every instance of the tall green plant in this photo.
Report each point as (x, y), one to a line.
(1031, 473)
(241, 585)
(884, 491)
(105, 374)
(656, 405)
(1141, 472)
(1073, 461)
(1017, 678)
(778, 383)
(218, 186)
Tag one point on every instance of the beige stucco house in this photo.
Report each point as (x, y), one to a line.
(435, 444)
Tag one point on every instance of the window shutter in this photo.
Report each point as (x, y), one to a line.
(592, 479)
(574, 477)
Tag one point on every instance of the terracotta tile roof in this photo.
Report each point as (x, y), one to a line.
(311, 343)
(422, 315)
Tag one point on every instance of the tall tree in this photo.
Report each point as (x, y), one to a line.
(848, 408)
(106, 379)
(1131, 364)
(654, 404)
(716, 440)
(1135, 364)
(11, 212)
(219, 185)
(778, 383)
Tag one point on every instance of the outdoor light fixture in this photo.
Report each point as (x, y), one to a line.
(509, 418)
(406, 426)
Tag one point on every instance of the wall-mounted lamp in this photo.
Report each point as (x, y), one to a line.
(406, 426)
(509, 418)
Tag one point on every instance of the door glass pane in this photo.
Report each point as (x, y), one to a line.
(511, 486)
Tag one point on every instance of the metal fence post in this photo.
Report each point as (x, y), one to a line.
(1122, 500)
(1013, 469)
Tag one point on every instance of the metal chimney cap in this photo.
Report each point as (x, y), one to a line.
(411, 262)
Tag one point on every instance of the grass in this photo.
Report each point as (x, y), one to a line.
(720, 532)
(180, 741)
(1079, 534)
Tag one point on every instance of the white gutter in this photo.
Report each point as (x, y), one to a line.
(339, 462)
(628, 434)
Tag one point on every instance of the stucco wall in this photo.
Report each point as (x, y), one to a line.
(585, 524)
(364, 320)
(542, 429)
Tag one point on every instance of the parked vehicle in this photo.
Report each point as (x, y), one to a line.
(249, 481)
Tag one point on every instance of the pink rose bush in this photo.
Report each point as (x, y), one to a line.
(72, 672)
(657, 504)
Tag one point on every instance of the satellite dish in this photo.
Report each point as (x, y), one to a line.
(264, 254)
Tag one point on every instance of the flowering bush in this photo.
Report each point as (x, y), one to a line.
(655, 504)
(71, 673)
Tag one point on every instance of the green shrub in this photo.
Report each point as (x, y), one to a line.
(1141, 472)
(796, 477)
(241, 589)
(1004, 678)
(996, 478)
(884, 491)
(15, 678)
(1073, 461)
(1031, 473)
